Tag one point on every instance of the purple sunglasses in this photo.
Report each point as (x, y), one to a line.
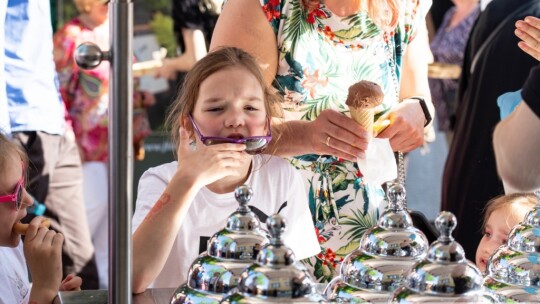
(254, 144)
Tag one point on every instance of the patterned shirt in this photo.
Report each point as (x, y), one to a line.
(320, 56)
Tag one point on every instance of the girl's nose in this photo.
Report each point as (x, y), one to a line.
(235, 120)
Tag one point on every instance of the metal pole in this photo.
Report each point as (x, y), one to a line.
(120, 151)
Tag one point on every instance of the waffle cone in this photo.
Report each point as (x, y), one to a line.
(364, 117)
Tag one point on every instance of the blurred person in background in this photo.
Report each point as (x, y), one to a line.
(194, 22)
(37, 123)
(86, 94)
(447, 48)
(470, 176)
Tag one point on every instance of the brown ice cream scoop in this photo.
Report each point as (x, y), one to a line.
(21, 228)
(364, 95)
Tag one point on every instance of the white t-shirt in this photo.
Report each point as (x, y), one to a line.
(14, 285)
(277, 187)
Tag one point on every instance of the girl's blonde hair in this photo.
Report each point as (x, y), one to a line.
(10, 153)
(384, 13)
(518, 204)
(218, 60)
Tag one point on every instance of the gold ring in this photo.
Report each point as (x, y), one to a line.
(328, 141)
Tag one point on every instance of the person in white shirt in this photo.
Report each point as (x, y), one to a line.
(220, 124)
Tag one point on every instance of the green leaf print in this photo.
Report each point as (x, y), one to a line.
(314, 107)
(360, 223)
(297, 25)
(365, 28)
(344, 250)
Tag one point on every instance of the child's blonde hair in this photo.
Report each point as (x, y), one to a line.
(218, 60)
(9, 153)
(518, 204)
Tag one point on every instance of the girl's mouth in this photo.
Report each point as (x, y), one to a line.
(235, 136)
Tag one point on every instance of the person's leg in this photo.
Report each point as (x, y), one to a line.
(96, 201)
(55, 178)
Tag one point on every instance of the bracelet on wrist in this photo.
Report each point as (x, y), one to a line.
(427, 115)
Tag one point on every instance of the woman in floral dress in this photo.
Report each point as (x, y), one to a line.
(312, 51)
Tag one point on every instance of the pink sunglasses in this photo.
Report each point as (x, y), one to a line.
(17, 195)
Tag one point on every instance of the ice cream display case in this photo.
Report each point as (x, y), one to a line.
(445, 275)
(276, 276)
(386, 253)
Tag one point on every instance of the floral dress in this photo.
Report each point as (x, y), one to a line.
(320, 56)
(86, 92)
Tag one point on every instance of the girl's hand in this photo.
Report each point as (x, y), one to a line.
(528, 31)
(209, 163)
(333, 133)
(43, 249)
(406, 132)
(71, 283)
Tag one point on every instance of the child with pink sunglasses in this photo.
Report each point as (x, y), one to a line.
(220, 126)
(41, 252)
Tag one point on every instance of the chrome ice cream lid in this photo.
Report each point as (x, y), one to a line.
(445, 272)
(386, 253)
(513, 271)
(217, 271)
(276, 277)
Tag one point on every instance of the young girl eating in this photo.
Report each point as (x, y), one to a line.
(500, 216)
(41, 253)
(220, 124)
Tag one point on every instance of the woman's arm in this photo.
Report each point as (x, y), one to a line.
(516, 142)
(242, 24)
(406, 132)
(516, 139)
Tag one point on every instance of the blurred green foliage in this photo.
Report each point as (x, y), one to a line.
(161, 23)
(162, 26)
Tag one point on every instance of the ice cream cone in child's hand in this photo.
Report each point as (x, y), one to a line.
(364, 96)
(21, 228)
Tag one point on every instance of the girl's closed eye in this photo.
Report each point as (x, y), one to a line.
(214, 109)
(251, 108)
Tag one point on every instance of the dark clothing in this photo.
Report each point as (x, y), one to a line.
(192, 14)
(437, 11)
(470, 176)
(531, 91)
(55, 179)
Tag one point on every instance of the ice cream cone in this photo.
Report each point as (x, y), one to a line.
(363, 97)
(364, 117)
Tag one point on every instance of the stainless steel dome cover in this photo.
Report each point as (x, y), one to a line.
(386, 253)
(217, 271)
(513, 271)
(275, 277)
(445, 275)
